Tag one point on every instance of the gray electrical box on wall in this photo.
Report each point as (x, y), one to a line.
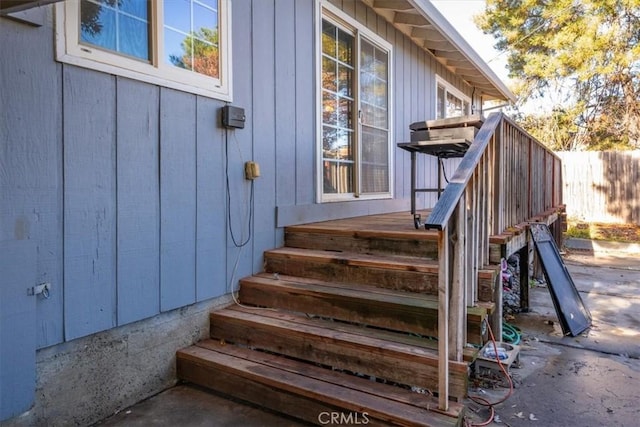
(233, 117)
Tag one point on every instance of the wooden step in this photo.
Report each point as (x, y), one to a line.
(429, 343)
(366, 239)
(488, 279)
(356, 351)
(393, 272)
(383, 308)
(306, 391)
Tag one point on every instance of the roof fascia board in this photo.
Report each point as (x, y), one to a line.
(440, 23)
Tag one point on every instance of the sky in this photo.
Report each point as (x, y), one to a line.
(460, 14)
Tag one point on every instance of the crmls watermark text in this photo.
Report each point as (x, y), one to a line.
(342, 418)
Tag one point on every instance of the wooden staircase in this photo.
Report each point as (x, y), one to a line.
(342, 321)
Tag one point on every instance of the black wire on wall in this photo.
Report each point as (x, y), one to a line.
(250, 224)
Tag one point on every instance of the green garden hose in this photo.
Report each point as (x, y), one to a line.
(511, 334)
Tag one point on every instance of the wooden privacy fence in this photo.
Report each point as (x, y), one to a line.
(602, 186)
(505, 178)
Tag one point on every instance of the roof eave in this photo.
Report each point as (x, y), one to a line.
(431, 13)
(427, 28)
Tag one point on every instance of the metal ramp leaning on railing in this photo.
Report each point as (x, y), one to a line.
(505, 178)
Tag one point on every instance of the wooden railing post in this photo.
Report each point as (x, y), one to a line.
(459, 286)
(443, 319)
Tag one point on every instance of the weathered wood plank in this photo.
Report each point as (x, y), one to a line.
(414, 340)
(406, 273)
(361, 242)
(444, 386)
(193, 366)
(295, 393)
(458, 327)
(374, 388)
(601, 186)
(367, 355)
(410, 298)
(138, 201)
(354, 305)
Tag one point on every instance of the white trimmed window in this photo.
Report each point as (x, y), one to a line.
(450, 102)
(183, 44)
(355, 109)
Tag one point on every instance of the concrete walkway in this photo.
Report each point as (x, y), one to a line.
(590, 380)
(192, 406)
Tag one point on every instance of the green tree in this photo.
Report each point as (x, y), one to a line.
(590, 49)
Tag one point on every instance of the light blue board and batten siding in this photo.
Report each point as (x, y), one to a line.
(30, 204)
(83, 176)
(121, 184)
(177, 199)
(137, 200)
(89, 135)
(31, 161)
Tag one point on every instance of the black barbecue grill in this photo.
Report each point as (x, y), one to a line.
(443, 139)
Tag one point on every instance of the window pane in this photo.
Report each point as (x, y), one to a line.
(176, 48)
(213, 4)
(381, 63)
(345, 113)
(345, 46)
(454, 106)
(134, 7)
(329, 39)
(345, 80)
(116, 25)
(375, 160)
(98, 25)
(440, 110)
(177, 15)
(133, 37)
(191, 35)
(337, 177)
(373, 86)
(206, 59)
(337, 143)
(337, 109)
(329, 74)
(366, 58)
(374, 166)
(329, 108)
(204, 18)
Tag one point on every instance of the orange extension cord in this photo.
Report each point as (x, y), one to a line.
(484, 402)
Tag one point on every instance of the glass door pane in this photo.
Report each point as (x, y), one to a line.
(338, 136)
(374, 107)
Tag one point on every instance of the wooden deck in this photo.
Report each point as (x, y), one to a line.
(398, 224)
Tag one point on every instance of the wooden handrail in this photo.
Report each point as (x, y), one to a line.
(507, 177)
